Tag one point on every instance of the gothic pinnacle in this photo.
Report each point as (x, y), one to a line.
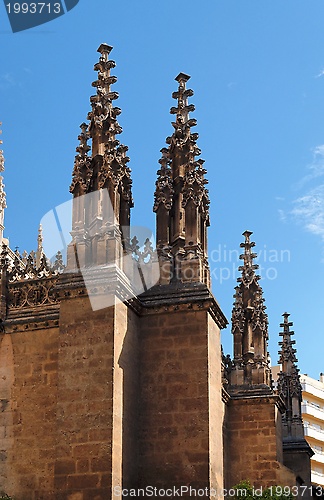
(164, 189)
(181, 198)
(3, 203)
(250, 324)
(83, 148)
(104, 172)
(182, 126)
(107, 164)
(289, 386)
(248, 268)
(40, 250)
(287, 352)
(183, 108)
(103, 123)
(1, 154)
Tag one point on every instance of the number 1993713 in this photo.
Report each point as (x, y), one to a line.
(33, 8)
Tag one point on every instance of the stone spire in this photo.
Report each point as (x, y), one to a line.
(250, 325)
(103, 123)
(103, 177)
(3, 204)
(289, 387)
(40, 250)
(181, 199)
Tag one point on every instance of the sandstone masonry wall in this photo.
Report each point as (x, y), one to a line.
(30, 415)
(96, 349)
(255, 444)
(180, 385)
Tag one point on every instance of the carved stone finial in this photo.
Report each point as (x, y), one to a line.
(3, 202)
(248, 269)
(1, 154)
(40, 250)
(103, 123)
(183, 124)
(103, 129)
(82, 169)
(58, 265)
(182, 77)
(105, 50)
(287, 353)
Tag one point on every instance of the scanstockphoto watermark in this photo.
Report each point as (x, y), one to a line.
(24, 15)
(224, 262)
(237, 492)
(168, 492)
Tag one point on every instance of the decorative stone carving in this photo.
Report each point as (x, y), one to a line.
(181, 180)
(146, 254)
(36, 295)
(164, 189)
(238, 317)
(289, 386)
(17, 298)
(25, 268)
(259, 318)
(105, 170)
(82, 164)
(32, 293)
(250, 323)
(194, 188)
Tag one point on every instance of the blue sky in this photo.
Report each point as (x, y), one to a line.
(257, 69)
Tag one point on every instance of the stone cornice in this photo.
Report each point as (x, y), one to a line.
(182, 296)
(297, 446)
(39, 318)
(257, 395)
(114, 281)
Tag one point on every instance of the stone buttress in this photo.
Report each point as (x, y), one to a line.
(253, 424)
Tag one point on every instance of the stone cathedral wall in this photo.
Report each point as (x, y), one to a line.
(28, 394)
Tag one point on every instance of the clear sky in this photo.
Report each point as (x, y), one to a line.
(257, 69)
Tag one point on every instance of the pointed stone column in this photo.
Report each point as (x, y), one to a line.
(297, 451)
(40, 250)
(250, 326)
(181, 199)
(101, 184)
(3, 204)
